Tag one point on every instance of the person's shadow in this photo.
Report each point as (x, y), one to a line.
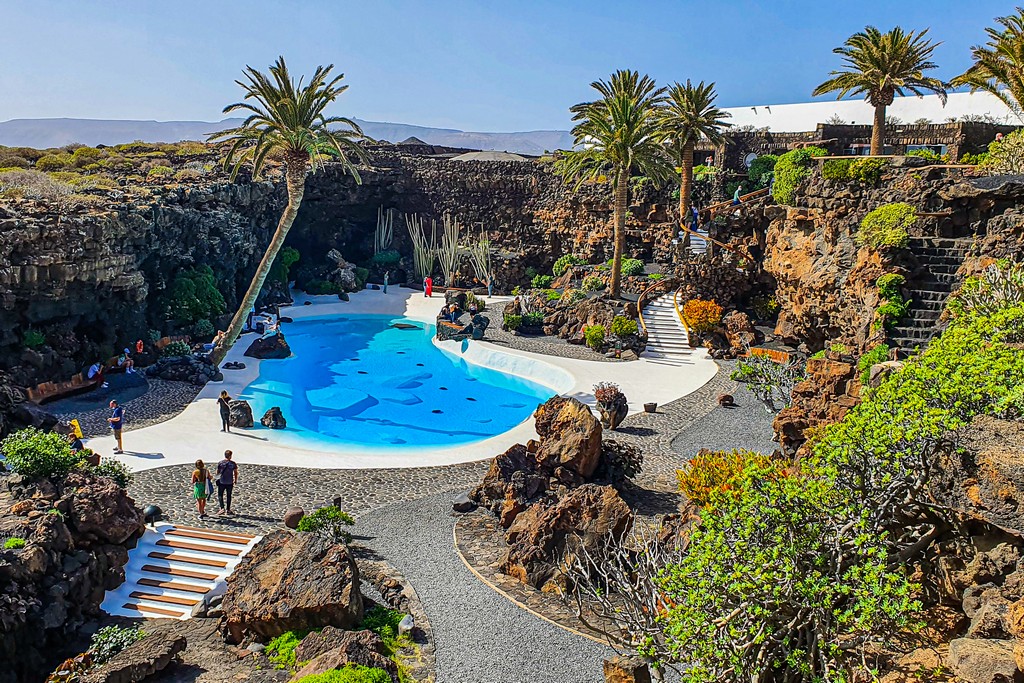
(145, 456)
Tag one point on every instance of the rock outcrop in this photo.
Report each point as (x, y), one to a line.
(289, 582)
(240, 414)
(831, 387)
(197, 370)
(140, 660)
(273, 419)
(273, 346)
(334, 649)
(77, 532)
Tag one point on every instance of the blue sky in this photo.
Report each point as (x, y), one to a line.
(485, 65)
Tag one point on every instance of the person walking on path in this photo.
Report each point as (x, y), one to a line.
(116, 421)
(224, 403)
(227, 477)
(201, 479)
(387, 274)
(428, 286)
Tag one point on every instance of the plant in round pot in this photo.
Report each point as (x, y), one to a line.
(612, 404)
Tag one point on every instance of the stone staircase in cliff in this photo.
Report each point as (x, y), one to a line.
(175, 567)
(940, 259)
(667, 339)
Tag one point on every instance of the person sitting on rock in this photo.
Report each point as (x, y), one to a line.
(125, 361)
(95, 372)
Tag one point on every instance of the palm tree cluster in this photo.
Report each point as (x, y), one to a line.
(636, 127)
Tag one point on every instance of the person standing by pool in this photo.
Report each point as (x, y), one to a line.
(200, 480)
(428, 286)
(224, 403)
(387, 274)
(227, 477)
(116, 421)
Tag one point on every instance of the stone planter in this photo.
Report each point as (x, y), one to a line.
(650, 407)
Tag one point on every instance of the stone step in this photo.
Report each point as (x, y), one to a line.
(208, 536)
(182, 545)
(163, 597)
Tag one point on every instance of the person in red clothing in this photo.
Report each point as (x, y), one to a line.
(428, 286)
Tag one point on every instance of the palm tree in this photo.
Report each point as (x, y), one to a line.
(881, 66)
(615, 136)
(688, 116)
(287, 121)
(999, 66)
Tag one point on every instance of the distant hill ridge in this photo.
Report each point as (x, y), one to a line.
(45, 133)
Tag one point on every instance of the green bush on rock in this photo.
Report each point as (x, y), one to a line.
(110, 640)
(115, 470)
(886, 226)
(623, 326)
(874, 356)
(176, 348)
(513, 322)
(14, 543)
(329, 521)
(564, 262)
(194, 295)
(761, 169)
(593, 335)
(38, 454)
(281, 650)
(791, 169)
(541, 281)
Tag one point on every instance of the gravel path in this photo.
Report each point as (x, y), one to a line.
(481, 637)
(543, 344)
(747, 425)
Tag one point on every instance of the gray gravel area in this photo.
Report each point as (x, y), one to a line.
(481, 637)
(551, 346)
(146, 400)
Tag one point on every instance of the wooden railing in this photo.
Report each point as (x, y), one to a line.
(679, 313)
(709, 238)
(714, 209)
(647, 296)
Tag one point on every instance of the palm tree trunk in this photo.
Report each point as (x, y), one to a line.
(295, 180)
(686, 189)
(619, 220)
(878, 131)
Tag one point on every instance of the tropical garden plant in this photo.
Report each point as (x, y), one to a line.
(287, 120)
(616, 136)
(689, 116)
(880, 66)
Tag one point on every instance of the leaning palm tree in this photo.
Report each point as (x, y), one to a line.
(881, 66)
(615, 136)
(690, 115)
(286, 121)
(999, 65)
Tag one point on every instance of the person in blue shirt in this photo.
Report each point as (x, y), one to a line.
(116, 421)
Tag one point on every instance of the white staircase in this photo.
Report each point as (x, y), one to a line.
(698, 243)
(667, 339)
(173, 568)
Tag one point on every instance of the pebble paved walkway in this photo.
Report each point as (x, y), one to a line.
(162, 401)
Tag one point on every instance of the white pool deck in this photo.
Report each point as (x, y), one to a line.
(195, 432)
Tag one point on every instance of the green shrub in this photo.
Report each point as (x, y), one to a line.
(533, 319)
(593, 335)
(551, 294)
(281, 650)
(386, 258)
(573, 296)
(38, 454)
(765, 306)
(329, 521)
(14, 543)
(160, 173)
(319, 287)
(623, 326)
(836, 169)
(472, 298)
(791, 169)
(868, 171)
(925, 154)
(1005, 157)
(203, 328)
(54, 162)
(9, 162)
(874, 356)
(194, 295)
(886, 226)
(761, 169)
(632, 266)
(894, 306)
(563, 263)
(176, 348)
(974, 159)
(592, 283)
(351, 673)
(384, 622)
(1000, 286)
(513, 322)
(110, 640)
(531, 272)
(517, 291)
(33, 339)
(541, 281)
(115, 470)
(362, 275)
(656, 276)
(286, 258)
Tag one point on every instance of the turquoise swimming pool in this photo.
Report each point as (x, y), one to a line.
(358, 380)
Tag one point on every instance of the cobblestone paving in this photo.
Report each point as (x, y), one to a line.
(159, 403)
(264, 492)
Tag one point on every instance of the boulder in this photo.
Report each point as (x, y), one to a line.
(539, 536)
(241, 414)
(275, 346)
(976, 660)
(333, 648)
(292, 581)
(570, 436)
(101, 512)
(292, 517)
(739, 331)
(139, 660)
(830, 389)
(880, 371)
(613, 412)
(463, 503)
(197, 370)
(513, 480)
(621, 669)
(273, 419)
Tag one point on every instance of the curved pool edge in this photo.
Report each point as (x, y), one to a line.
(507, 362)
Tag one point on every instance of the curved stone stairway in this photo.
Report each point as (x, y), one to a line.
(667, 340)
(173, 568)
(941, 258)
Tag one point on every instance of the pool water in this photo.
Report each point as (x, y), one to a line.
(358, 380)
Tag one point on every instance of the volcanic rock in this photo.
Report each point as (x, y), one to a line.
(333, 648)
(197, 370)
(241, 414)
(139, 660)
(292, 581)
(570, 436)
(273, 346)
(976, 660)
(273, 419)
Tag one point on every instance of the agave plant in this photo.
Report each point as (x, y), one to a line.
(287, 120)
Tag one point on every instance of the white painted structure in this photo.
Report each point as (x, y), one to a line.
(667, 340)
(194, 433)
(805, 116)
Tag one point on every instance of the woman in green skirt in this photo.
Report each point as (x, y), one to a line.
(201, 479)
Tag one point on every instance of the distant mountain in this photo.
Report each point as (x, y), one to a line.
(44, 133)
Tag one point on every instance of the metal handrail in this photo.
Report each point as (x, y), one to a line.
(679, 313)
